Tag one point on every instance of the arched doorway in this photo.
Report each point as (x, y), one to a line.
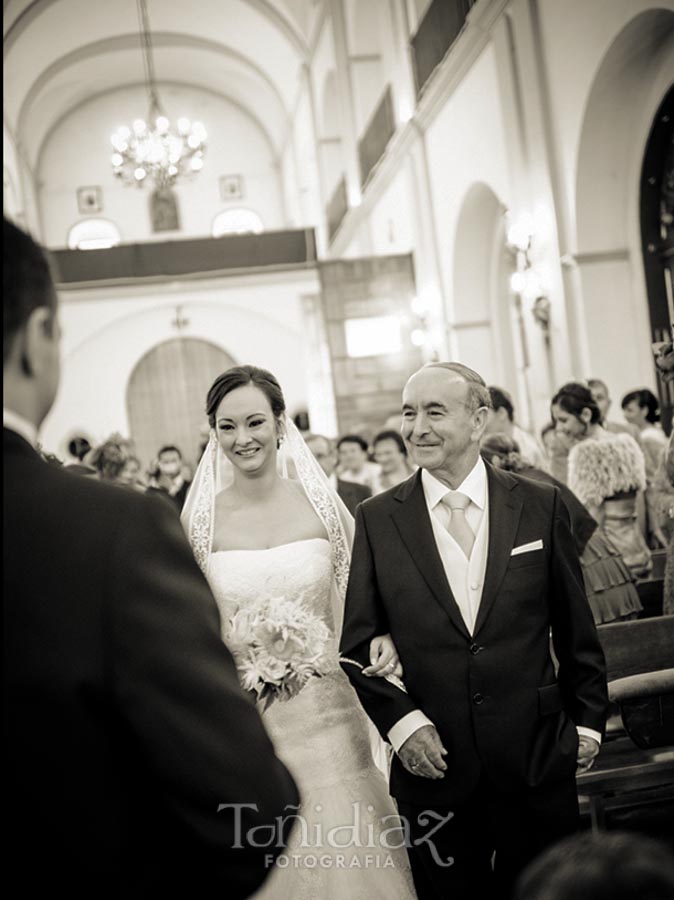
(166, 395)
(482, 310)
(656, 201)
(629, 87)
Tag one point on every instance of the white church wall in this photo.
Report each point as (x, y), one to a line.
(77, 153)
(604, 97)
(106, 331)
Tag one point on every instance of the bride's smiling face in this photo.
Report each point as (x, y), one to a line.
(247, 430)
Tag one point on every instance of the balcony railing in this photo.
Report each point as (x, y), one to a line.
(378, 133)
(438, 30)
(175, 258)
(337, 208)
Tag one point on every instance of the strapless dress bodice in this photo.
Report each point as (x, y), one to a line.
(300, 570)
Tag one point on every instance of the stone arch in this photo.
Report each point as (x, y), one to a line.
(629, 86)
(482, 310)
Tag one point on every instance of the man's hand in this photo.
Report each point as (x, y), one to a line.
(588, 748)
(422, 753)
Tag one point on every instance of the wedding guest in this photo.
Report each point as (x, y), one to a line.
(501, 419)
(602, 398)
(600, 866)
(109, 460)
(606, 471)
(354, 464)
(470, 570)
(609, 584)
(349, 492)
(78, 448)
(642, 410)
(131, 474)
(134, 763)
(169, 479)
(390, 454)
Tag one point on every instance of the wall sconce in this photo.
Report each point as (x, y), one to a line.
(425, 307)
(530, 281)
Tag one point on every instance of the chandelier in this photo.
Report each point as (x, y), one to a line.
(153, 150)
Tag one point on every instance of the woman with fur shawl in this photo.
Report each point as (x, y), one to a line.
(606, 471)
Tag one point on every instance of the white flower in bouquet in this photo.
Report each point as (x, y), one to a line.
(278, 645)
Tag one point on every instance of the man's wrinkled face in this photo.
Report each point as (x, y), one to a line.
(438, 422)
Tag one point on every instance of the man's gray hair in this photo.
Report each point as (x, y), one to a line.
(314, 436)
(478, 392)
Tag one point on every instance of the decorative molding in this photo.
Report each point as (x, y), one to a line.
(477, 323)
(443, 82)
(619, 254)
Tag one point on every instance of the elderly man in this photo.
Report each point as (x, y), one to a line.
(470, 569)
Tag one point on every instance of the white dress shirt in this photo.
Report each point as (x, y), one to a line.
(17, 423)
(465, 576)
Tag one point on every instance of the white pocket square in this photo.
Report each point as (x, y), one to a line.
(527, 548)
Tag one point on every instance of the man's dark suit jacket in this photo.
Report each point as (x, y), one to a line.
(494, 696)
(177, 500)
(124, 725)
(352, 494)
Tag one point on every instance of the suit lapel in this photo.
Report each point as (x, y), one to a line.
(505, 509)
(413, 522)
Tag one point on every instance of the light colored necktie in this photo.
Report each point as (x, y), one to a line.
(458, 526)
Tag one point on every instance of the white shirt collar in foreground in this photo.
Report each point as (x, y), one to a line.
(474, 485)
(17, 423)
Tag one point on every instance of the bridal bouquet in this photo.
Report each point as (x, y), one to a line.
(278, 645)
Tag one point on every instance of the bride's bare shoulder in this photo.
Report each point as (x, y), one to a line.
(227, 499)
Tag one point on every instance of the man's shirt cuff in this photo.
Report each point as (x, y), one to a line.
(585, 732)
(406, 727)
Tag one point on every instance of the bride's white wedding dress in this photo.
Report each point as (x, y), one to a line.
(339, 848)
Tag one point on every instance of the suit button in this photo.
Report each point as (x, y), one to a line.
(478, 699)
(475, 649)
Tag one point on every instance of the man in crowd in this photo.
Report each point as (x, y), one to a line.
(354, 464)
(135, 765)
(169, 480)
(351, 493)
(501, 419)
(600, 393)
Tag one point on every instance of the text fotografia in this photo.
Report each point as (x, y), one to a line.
(363, 832)
(328, 861)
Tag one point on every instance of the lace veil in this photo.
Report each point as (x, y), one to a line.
(295, 461)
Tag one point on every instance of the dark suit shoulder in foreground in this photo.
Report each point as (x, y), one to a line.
(125, 727)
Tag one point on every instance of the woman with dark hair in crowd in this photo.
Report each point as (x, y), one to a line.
(606, 471)
(642, 410)
(608, 583)
(390, 453)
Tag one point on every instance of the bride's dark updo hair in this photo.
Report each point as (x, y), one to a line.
(240, 376)
(574, 398)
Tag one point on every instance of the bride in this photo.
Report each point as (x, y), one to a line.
(264, 523)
